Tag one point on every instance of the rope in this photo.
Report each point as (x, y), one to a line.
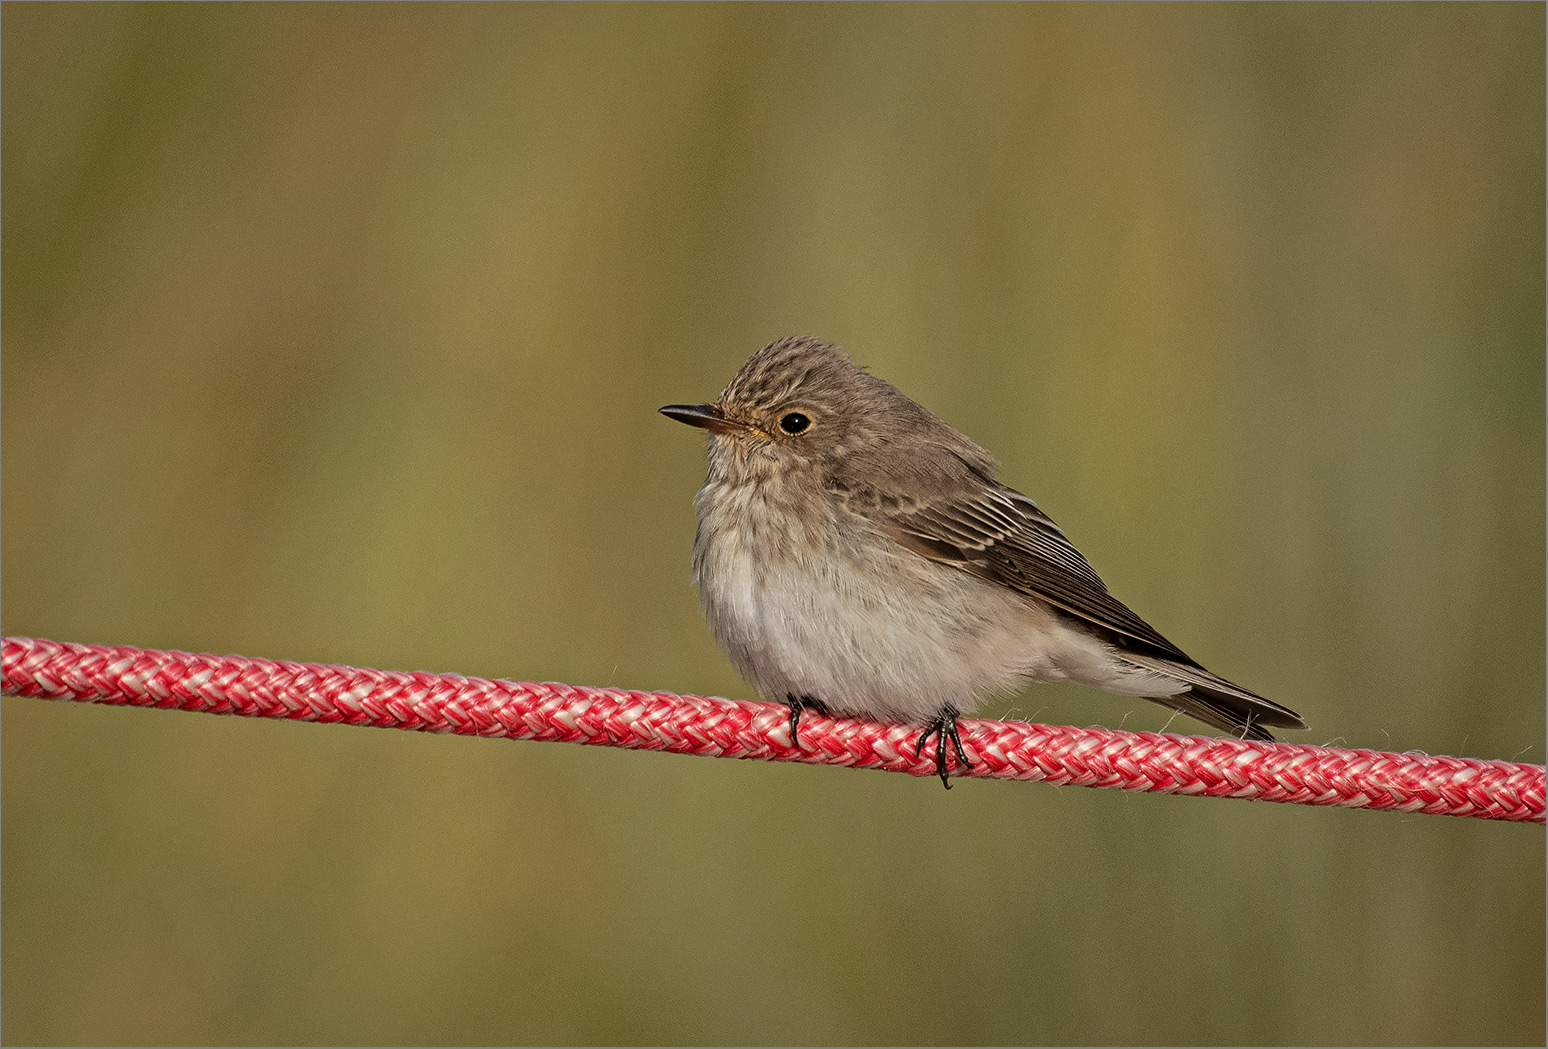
(1089, 757)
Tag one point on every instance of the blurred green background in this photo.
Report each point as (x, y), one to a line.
(337, 334)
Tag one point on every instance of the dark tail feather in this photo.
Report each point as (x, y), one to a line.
(1237, 715)
(1218, 702)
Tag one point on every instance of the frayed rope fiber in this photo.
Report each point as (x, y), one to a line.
(1088, 757)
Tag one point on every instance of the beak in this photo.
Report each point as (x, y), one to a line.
(705, 416)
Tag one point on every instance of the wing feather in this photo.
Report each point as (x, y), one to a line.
(1003, 537)
(983, 527)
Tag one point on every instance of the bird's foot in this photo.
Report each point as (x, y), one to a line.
(798, 704)
(944, 728)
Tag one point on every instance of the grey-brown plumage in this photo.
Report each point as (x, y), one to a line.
(857, 554)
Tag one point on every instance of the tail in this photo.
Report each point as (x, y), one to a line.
(1218, 702)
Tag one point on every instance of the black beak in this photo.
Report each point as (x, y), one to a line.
(705, 416)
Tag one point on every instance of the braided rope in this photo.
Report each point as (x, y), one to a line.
(1090, 757)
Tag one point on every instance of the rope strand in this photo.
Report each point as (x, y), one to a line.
(1090, 757)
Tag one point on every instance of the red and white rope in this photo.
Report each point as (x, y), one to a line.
(1090, 757)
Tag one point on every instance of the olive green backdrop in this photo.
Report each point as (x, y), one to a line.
(337, 333)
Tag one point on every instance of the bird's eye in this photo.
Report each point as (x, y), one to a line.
(795, 422)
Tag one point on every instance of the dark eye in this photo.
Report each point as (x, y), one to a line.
(795, 422)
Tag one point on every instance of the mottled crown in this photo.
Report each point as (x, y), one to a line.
(855, 414)
(804, 368)
(799, 364)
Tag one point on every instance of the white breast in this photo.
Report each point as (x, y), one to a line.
(828, 608)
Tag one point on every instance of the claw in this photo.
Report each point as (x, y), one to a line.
(944, 728)
(798, 704)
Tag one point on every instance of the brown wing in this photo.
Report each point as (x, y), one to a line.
(1001, 535)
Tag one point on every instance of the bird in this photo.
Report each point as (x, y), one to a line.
(855, 555)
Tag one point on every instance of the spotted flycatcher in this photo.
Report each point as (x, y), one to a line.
(855, 555)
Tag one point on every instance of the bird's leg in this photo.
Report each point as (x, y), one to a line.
(943, 728)
(797, 704)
